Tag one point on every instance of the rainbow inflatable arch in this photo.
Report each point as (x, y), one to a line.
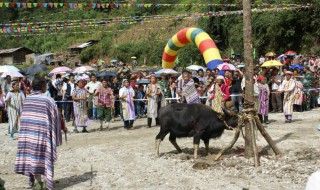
(197, 36)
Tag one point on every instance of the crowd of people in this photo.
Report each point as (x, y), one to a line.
(276, 89)
(39, 109)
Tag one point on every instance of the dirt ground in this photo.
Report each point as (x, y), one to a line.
(121, 159)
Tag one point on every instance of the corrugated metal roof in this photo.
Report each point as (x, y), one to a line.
(5, 51)
(83, 45)
(11, 50)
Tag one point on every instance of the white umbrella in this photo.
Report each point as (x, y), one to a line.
(8, 68)
(83, 69)
(196, 67)
(241, 66)
(226, 67)
(166, 71)
(12, 74)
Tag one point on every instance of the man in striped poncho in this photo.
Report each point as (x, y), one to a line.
(40, 134)
(187, 89)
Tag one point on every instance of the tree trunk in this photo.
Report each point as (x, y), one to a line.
(249, 97)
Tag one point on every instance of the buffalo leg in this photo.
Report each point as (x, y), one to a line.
(195, 154)
(206, 144)
(172, 139)
(158, 141)
(163, 132)
(196, 142)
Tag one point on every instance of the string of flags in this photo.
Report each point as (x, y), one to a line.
(46, 27)
(92, 31)
(103, 5)
(43, 16)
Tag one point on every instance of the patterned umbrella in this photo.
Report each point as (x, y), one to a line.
(226, 67)
(12, 74)
(83, 69)
(290, 53)
(60, 69)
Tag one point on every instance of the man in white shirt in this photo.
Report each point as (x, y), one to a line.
(91, 87)
(201, 76)
(67, 90)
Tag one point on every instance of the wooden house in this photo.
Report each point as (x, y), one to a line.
(14, 55)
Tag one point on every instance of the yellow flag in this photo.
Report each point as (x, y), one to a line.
(1, 4)
(55, 5)
(29, 5)
(80, 5)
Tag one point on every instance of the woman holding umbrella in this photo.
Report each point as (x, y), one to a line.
(14, 102)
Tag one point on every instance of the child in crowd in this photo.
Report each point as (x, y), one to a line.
(201, 89)
(94, 108)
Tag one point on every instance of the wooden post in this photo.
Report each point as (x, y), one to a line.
(249, 97)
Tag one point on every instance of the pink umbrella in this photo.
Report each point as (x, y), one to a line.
(85, 77)
(60, 69)
(226, 67)
(83, 69)
(12, 74)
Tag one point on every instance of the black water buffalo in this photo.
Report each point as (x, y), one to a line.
(192, 120)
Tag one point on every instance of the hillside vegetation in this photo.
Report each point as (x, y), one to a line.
(272, 31)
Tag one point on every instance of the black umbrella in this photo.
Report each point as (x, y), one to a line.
(143, 81)
(23, 72)
(34, 69)
(107, 74)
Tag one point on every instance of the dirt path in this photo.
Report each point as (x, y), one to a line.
(121, 159)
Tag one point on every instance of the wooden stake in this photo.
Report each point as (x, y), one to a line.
(234, 140)
(266, 135)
